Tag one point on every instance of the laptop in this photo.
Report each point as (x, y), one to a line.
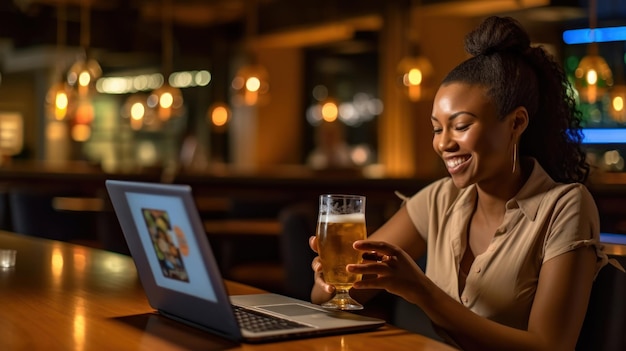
(182, 280)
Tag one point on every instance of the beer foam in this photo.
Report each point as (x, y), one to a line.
(344, 218)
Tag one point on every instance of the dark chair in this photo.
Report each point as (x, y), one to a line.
(5, 213)
(246, 255)
(33, 211)
(298, 224)
(108, 229)
(604, 328)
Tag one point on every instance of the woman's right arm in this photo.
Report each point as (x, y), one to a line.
(398, 230)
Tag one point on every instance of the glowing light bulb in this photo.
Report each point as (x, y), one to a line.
(219, 117)
(592, 77)
(137, 111)
(166, 100)
(330, 111)
(414, 77)
(253, 84)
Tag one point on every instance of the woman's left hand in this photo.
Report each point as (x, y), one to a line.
(392, 269)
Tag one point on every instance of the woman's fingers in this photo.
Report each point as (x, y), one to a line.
(369, 268)
(313, 243)
(378, 251)
(379, 247)
(316, 265)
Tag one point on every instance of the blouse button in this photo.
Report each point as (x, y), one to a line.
(478, 270)
(465, 299)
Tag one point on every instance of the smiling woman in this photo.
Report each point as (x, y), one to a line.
(512, 234)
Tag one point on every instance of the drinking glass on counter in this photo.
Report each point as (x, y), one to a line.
(341, 221)
(7, 258)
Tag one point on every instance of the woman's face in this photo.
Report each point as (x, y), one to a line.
(475, 146)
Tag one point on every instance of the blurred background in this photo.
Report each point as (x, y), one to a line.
(127, 86)
(263, 105)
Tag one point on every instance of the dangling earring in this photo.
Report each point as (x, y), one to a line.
(514, 156)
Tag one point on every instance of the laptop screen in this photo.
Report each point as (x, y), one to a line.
(169, 244)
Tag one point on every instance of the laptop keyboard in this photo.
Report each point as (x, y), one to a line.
(258, 322)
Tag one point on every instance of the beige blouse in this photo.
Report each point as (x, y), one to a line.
(544, 220)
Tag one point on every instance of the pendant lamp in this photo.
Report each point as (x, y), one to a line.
(251, 82)
(86, 70)
(167, 100)
(617, 105)
(60, 98)
(592, 77)
(415, 71)
(617, 94)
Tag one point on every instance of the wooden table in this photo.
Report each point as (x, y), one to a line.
(61, 296)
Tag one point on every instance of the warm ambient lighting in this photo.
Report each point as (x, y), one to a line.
(81, 124)
(149, 82)
(617, 108)
(592, 76)
(11, 133)
(86, 70)
(414, 71)
(330, 111)
(129, 84)
(83, 75)
(168, 102)
(59, 101)
(251, 85)
(363, 108)
(415, 76)
(138, 114)
(219, 115)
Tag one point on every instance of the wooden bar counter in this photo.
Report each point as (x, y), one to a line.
(61, 296)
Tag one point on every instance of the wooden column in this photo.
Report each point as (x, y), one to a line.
(396, 131)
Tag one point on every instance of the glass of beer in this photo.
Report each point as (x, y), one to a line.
(341, 222)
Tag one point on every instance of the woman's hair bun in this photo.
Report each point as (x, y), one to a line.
(497, 34)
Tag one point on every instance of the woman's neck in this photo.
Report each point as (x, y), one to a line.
(493, 196)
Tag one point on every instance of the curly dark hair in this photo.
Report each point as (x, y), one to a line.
(517, 74)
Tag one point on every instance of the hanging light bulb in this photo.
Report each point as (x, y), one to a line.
(218, 115)
(60, 101)
(86, 70)
(138, 114)
(592, 77)
(251, 85)
(415, 72)
(617, 106)
(329, 110)
(415, 76)
(83, 75)
(167, 101)
(60, 98)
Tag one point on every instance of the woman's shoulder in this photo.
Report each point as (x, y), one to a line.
(540, 184)
(571, 190)
(569, 198)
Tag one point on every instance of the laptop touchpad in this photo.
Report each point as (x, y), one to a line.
(291, 309)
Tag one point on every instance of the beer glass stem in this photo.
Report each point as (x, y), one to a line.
(343, 301)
